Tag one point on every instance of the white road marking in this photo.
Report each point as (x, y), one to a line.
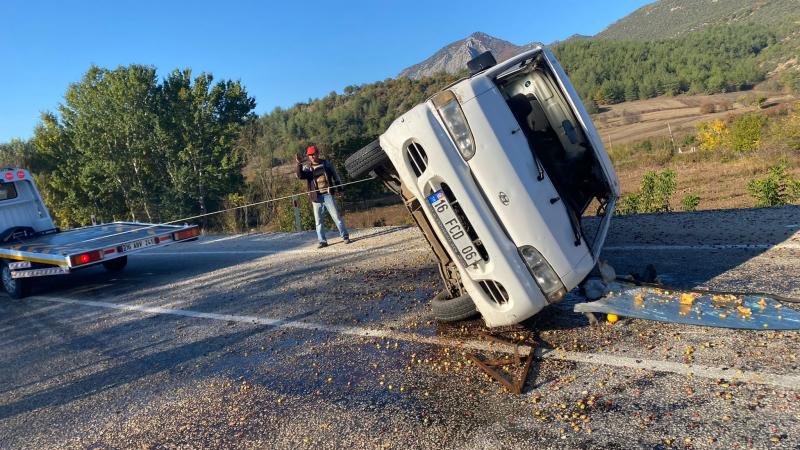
(786, 245)
(748, 376)
(300, 251)
(226, 238)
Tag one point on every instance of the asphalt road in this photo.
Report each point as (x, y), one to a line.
(263, 341)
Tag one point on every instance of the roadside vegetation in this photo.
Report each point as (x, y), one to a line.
(752, 159)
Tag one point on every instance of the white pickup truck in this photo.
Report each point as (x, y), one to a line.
(31, 246)
(499, 170)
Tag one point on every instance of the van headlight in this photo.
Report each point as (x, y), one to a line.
(545, 276)
(453, 118)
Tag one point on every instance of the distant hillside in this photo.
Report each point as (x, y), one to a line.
(666, 19)
(453, 57)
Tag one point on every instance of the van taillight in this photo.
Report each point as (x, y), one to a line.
(85, 258)
(186, 234)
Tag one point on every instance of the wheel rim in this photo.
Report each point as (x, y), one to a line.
(9, 283)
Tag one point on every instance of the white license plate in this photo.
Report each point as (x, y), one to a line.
(136, 245)
(453, 228)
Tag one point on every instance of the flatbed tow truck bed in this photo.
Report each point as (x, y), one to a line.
(91, 245)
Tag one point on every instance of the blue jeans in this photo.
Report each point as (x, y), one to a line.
(327, 201)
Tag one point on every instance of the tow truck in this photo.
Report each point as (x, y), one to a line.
(31, 246)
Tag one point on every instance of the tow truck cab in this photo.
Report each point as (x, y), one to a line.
(21, 205)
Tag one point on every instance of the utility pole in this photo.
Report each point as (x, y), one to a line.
(671, 137)
(296, 207)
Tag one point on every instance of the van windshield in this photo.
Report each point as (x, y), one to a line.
(555, 137)
(7, 191)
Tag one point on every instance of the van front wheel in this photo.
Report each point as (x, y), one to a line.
(16, 288)
(452, 309)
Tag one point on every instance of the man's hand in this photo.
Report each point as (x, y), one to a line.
(297, 158)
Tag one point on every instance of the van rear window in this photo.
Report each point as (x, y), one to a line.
(7, 191)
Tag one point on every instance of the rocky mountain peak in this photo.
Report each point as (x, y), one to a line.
(453, 57)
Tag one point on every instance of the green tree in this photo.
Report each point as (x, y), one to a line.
(126, 146)
(778, 188)
(654, 194)
(745, 132)
(199, 124)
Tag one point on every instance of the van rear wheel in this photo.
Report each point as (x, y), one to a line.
(116, 265)
(16, 288)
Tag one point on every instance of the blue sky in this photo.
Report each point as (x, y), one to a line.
(284, 52)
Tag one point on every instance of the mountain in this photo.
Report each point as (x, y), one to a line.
(660, 20)
(453, 57)
(667, 19)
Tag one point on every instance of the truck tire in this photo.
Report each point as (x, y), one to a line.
(16, 288)
(116, 265)
(366, 159)
(452, 309)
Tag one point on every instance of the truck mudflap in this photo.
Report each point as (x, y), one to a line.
(704, 308)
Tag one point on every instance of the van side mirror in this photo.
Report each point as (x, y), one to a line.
(481, 62)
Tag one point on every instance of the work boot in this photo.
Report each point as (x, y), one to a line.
(322, 245)
(347, 240)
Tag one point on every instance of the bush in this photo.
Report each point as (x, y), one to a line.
(654, 194)
(778, 188)
(713, 135)
(690, 202)
(707, 108)
(745, 132)
(233, 221)
(286, 214)
(790, 80)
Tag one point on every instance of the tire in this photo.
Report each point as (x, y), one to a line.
(16, 288)
(116, 265)
(365, 160)
(452, 309)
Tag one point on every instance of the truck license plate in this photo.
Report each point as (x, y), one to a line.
(135, 245)
(455, 231)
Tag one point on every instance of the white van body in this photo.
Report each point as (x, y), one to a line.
(519, 112)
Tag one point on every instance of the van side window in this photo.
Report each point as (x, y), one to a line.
(7, 191)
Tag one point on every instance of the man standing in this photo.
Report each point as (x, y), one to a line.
(323, 182)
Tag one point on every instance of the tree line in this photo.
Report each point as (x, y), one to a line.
(719, 59)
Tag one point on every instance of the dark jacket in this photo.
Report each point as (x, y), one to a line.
(306, 173)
